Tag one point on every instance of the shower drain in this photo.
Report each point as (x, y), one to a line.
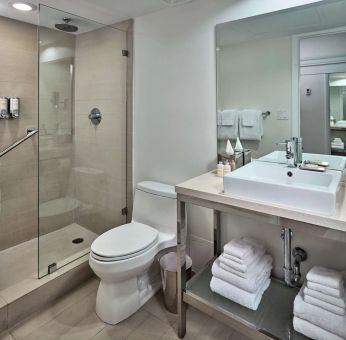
(77, 240)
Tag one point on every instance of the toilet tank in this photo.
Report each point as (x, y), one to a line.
(155, 204)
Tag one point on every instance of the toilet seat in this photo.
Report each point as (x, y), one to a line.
(123, 242)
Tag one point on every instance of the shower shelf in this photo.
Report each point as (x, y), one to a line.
(273, 317)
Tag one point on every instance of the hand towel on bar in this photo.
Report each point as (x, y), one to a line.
(238, 295)
(229, 128)
(312, 331)
(326, 290)
(250, 125)
(239, 248)
(257, 266)
(336, 301)
(324, 305)
(333, 323)
(250, 284)
(326, 277)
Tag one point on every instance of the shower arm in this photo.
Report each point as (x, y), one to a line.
(29, 133)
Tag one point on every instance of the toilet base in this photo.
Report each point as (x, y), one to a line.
(116, 302)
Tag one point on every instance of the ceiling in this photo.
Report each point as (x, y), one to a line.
(102, 11)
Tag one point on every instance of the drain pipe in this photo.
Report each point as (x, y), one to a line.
(292, 275)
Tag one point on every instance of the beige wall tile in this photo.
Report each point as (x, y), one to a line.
(18, 180)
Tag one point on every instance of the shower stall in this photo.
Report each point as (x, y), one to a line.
(75, 172)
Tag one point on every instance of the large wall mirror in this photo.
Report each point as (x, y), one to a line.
(284, 75)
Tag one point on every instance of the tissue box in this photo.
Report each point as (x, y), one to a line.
(238, 158)
(247, 156)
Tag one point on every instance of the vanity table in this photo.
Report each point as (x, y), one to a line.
(274, 315)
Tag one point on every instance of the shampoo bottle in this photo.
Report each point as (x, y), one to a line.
(219, 169)
(226, 168)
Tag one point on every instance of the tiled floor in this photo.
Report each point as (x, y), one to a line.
(73, 318)
(20, 262)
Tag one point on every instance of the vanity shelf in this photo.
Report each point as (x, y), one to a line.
(273, 317)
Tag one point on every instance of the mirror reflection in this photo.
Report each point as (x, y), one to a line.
(281, 76)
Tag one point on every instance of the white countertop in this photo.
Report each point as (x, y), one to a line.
(210, 187)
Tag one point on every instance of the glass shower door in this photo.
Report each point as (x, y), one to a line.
(82, 140)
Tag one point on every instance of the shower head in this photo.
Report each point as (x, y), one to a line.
(66, 26)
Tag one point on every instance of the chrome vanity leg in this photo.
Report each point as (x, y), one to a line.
(217, 236)
(181, 267)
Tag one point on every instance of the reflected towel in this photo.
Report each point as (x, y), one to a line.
(238, 295)
(250, 125)
(333, 323)
(250, 284)
(326, 277)
(338, 302)
(312, 331)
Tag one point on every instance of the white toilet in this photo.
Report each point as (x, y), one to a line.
(122, 256)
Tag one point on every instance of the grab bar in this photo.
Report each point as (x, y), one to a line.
(29, 133)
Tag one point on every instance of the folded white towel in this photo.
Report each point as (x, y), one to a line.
(243, 248)
(312, 331)
(251, 125)
(250, 284)
(333, 323)
(324, 305)
(258, 253)
(326, 290)
(238, 295)
(243, 270)
(326, 277)
(239, 248)
(339, 302)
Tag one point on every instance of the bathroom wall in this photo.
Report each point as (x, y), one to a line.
(175, 99)
(18, 169)
(264, 85)
(98, 178)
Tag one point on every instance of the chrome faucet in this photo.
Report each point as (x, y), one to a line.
(294, 151)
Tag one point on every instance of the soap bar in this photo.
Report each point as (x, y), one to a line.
(312, 167)
(317, 162)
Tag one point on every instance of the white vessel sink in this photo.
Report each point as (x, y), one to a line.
(292, 187)
(335, 162)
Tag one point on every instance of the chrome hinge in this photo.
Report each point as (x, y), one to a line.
(124, 211)
(125, 53)
(53, 267)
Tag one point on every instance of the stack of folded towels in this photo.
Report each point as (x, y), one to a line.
(242, 272)
(319, 308)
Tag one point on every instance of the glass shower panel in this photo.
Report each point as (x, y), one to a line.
(82, 161)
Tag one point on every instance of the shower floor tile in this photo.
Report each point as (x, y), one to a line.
(21, 262)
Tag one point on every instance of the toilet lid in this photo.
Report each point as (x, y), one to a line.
(126, 239)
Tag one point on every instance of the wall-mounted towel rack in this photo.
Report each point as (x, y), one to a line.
(29, 132)
(265, 114)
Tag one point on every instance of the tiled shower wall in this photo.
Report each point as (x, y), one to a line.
(99, 173)
(18, 168)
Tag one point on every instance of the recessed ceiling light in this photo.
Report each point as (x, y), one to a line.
(23, 6)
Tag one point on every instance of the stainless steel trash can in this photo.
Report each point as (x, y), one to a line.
(168, 264)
